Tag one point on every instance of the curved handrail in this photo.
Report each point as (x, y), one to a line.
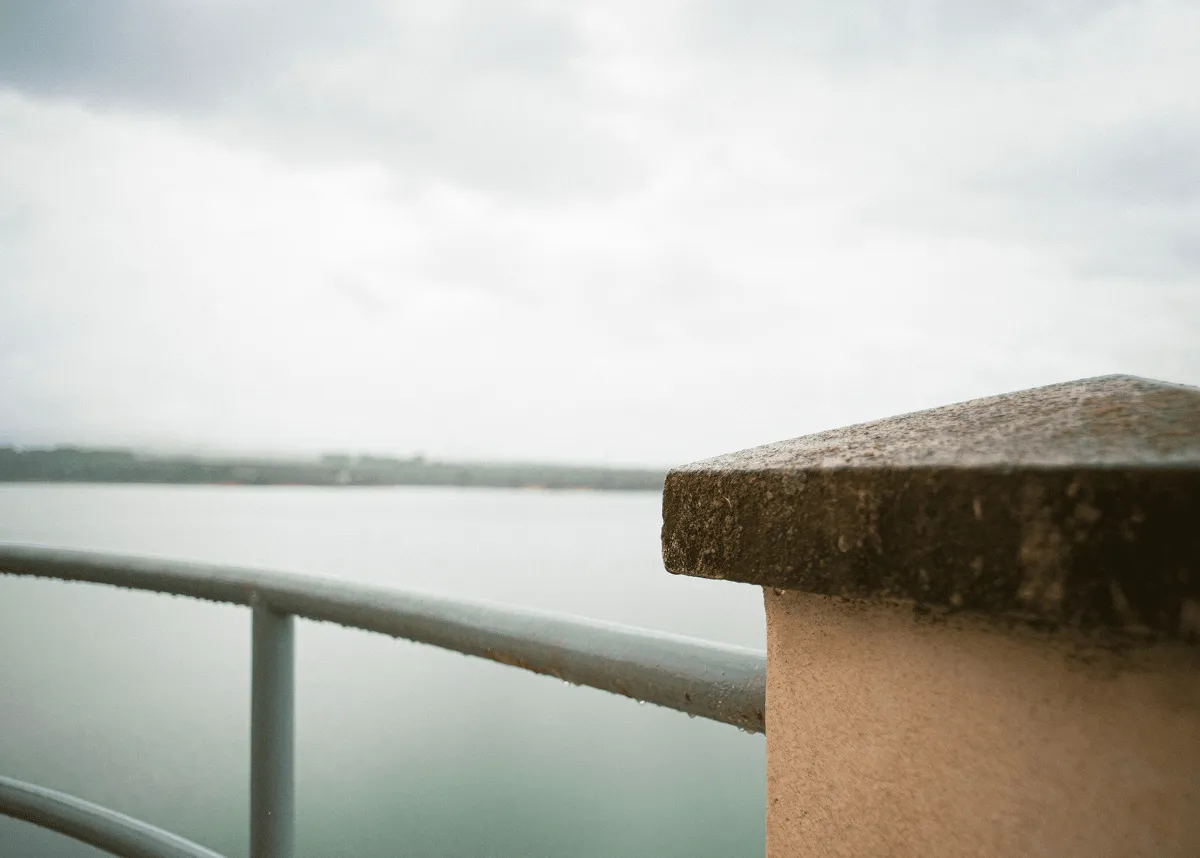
(709, 680)
(90, 823)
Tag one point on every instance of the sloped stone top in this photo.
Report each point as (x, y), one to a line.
(1112, 420)
(1076, 503)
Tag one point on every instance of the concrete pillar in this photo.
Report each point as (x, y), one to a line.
(982, 622)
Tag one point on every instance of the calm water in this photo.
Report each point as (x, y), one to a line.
(141, 702)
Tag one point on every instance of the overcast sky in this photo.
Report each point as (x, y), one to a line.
(628, 232)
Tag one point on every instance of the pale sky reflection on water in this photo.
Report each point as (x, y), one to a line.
(140, 702)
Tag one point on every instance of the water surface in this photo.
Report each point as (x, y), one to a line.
(141, 702)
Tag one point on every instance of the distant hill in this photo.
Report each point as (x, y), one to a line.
(84, 465)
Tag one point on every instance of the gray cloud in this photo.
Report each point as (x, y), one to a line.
(1126, 201)
(167, 56)
(538, 231)
(475, 93)
(1154, 162)
(865, 35)
(360, 295)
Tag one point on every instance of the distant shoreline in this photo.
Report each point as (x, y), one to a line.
(90, 465)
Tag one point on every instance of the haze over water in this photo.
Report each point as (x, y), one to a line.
(141, 702)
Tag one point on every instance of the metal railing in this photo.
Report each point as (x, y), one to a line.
(715, 681)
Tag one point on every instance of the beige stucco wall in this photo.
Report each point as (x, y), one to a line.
(890, 733)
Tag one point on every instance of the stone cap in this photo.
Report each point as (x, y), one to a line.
(1077, 503)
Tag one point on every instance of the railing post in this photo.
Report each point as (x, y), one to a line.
(272, 736)
(982, 622)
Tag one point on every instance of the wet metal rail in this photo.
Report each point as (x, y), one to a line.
(715, 681)
(92, 824)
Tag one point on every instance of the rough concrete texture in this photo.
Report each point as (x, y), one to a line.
(1075, 504)
(901, 734)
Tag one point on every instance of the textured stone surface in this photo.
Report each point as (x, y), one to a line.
(1077, 503)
